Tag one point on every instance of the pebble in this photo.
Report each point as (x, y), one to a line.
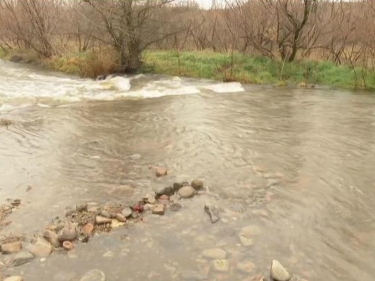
(161, 171)
(68, 233)
(197, 184)
(213, 212)
(247, 235)
(175, 207)
(93, 275)
(127, 212)
(187, 192)
(150, 199)
(67, 245)
(120, 218)
(42, 248)
(11, 248)
(246, 267)
(105, 214)
(278, 272)
(88, 229)
(102, 220)
(22, 258)
(147, 207)
(14, 278)
(214, 254)
(51, 237)
(220, 265)
(169, 191)
(192, 275)
(159, 209)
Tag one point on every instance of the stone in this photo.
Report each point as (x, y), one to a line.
(93, 275)
(150, 199)
(214, 254)
(68, 233)
(177, 186)
(187, 192)
(88, 229)
(105, 214)
(159, 209)
(92, 207)
(246, 267)
(164, 197)
(278, 272)
(51, 237)
(247, 235)
(127, 212)
(67, 245)
(161, 171)
(81, 208)
(120, 218)
(192, 275)
(220, 265)
(213, 212)
(14, 278)
(42, 248)
(102, 220)
(197, 184)
(11, 248)
(175, 207)
(169, 191)
(22, 258)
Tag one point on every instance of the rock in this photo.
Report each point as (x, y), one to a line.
(213, 212)
(192, 275)
(147, 207)
(67, 245)
(247, 235)
(161, 171)
(278, 272)
(81, 208)
(92, 207)
(127, 212)
(187, 192)
(159, 209)
(214, 254)
(42, 248)
(93, 275)
(105, 214)
(68, 233)
(150, 199)
(51, 237)
(246, 267)
(220, 265)
(11, 248)
(120, 218)
(177, 186)
(164, 198)
(14, 278)
(197, 184)
(169, 191)
(22, 258)
(175, 207)
(102, 220)
(88, 229)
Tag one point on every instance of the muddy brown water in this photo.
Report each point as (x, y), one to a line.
(299, 164)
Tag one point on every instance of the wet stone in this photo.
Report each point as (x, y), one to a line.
(68, 233)
(159, 209)
(51, 237)
(214, 254)
(187, 192)
(213, 212)
(102, 220)
(14, 278)
(127, 212)
(147, 207)
(177, 186)
(175, 207)
(161, 171)
(11, 248)
(246, 267)
(192, 275)
(93, 275)
(169, 191)
(278, 272)
(22, 258)
(220, 265)
(120, 218)
(42, 248)
(247, 235)
(150, 199)
(197, 184)
(105, 214)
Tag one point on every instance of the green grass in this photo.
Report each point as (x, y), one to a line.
(257, 70)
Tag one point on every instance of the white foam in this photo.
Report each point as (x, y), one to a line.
(231, 87)
(116, 83)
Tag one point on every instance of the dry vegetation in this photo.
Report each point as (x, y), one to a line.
(94, 37)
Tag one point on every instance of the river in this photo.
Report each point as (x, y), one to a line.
(297, 163)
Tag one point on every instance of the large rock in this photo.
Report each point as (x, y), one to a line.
(42, 248)
(278, 272)
(197, 184)
(214, 254)
(213, 212)
(93, 275)
(192, 275)
(187, 192)
(169, 191)
(51, 237)
(11, 248)
(248, 234)
(14, 278)
(159, 209)
(68, 233)
(22, 258)
(220, 265)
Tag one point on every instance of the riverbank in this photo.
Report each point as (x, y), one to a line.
(226, 67)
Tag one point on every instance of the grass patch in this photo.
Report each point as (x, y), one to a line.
(257, 70)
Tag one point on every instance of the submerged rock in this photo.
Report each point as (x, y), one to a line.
(169, 191)
(42, 248)
(175, 207)
(93, 275)
(278, 272)
(247, 235)
(11, 248)
(215, 253)
(161, 171)
(22, 258)
(192, 275)
(213, 212)
(197, 184)
(246, 267)
(220, 265)
(187, 192)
